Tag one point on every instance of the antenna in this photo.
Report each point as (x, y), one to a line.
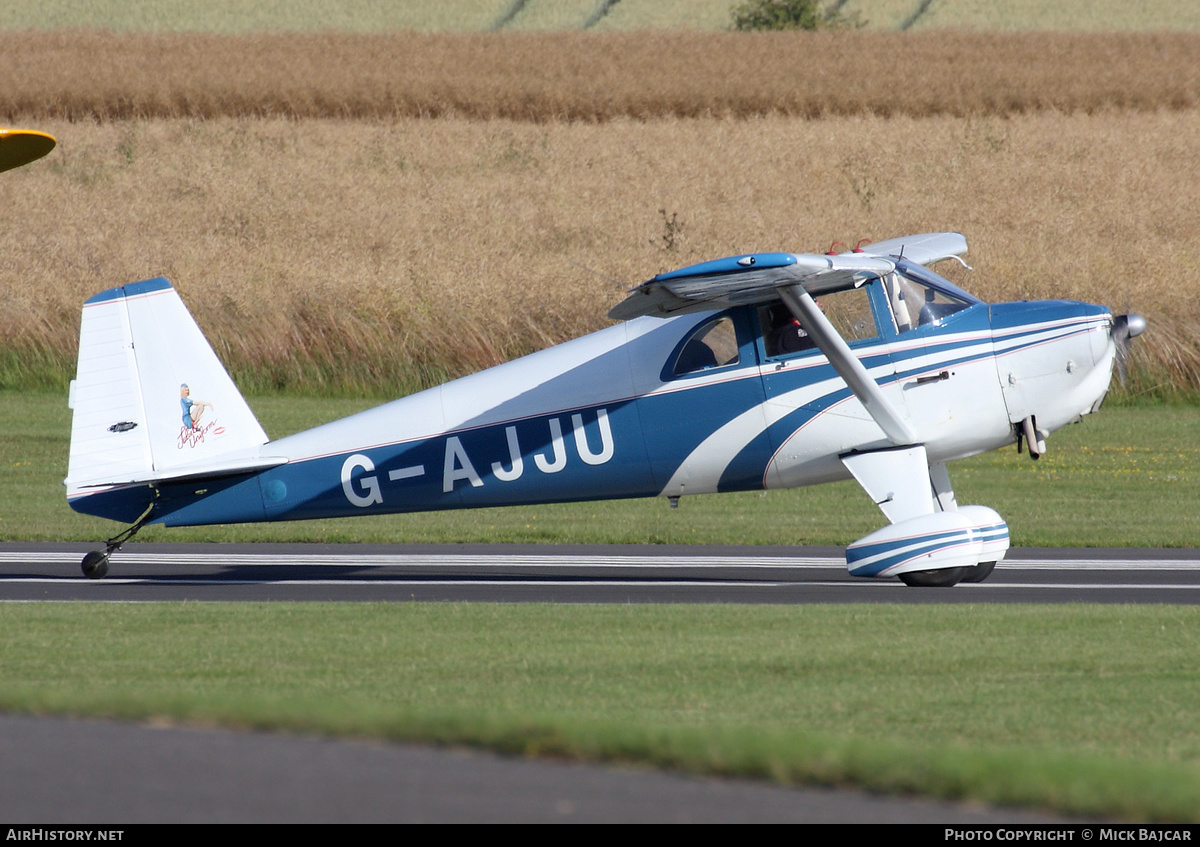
(617, 283)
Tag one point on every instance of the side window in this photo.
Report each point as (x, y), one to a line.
(712, 345)
(781, 333)
(915, 304)
(849, 311)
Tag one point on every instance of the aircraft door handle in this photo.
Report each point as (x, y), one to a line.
(926, 380)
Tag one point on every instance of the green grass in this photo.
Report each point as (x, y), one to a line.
(1127, 477)
(476, 15)
(1076, 15)
(1083, 709)
(239, 16)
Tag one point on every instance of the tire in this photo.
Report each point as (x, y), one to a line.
(95, 565)
(940, 578)
(980, 572)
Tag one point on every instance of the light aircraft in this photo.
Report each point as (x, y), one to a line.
(767, 370)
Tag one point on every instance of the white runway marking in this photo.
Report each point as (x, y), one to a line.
(595, 564)
(349, 559)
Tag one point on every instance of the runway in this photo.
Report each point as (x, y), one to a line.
(573, 574)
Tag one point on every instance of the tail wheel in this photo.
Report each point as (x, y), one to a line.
(940, 578)
(95, 565)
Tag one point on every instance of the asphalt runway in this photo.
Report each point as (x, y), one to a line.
(98, 772)
(574, 574)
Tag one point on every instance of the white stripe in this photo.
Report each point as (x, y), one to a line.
(572, 560)
(433, 559)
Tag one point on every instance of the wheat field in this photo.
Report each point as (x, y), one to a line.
(343, 254)
(331, 236)
(584, 76)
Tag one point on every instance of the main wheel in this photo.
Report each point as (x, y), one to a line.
(95, 565)
(980, 572)
(940, 578)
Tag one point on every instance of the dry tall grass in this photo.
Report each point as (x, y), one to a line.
(83, 75)
(382, 255)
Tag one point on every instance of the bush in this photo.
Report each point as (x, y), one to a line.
(788, 14)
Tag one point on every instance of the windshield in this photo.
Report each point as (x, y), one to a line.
(917, 301)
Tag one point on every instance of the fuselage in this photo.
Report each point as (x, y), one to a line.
(643, 409)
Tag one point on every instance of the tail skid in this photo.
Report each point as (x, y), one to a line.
(151, 402)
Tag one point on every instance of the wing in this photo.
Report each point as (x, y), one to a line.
(923, 249)
(742, 280)
(756, 277)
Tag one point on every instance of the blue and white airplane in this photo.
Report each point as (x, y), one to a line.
(770, 370)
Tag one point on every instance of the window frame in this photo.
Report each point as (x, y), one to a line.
(745, 347)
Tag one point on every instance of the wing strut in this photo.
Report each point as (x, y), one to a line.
(847, 365)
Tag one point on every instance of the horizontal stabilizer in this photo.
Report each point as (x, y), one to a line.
(207, 470)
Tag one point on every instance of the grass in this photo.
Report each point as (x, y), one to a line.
(474, 15)
(347, 256)
(1107, 15)
(590, 76)
(1126, 477)
(235, 16)
(1086, 710)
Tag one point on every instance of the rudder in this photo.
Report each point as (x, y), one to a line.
(150, 399)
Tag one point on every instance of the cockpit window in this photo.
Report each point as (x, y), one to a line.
(849, 311)
(713, 345)
(782, 333)
(915, 304)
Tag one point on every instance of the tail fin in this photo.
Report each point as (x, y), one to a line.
(151, 400)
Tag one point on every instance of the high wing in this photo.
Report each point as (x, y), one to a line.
(925, 249)
(758, 277)
(744, 280)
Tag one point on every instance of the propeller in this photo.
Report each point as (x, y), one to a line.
(1125, 327)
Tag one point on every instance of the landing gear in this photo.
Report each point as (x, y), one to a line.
(980, 572)
(945, 577)
(940, 578)
(95, 563)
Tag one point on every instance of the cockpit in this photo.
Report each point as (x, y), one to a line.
(912, 298)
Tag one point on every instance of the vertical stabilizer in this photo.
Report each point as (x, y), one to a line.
(150, 397)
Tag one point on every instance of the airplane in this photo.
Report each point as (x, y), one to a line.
(751, 372)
